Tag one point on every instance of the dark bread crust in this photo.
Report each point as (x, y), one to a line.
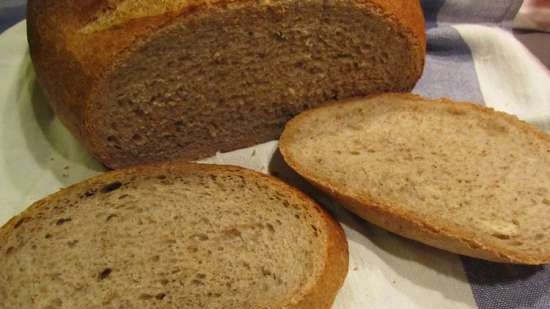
(403, 222)
(318, 294)
(71, 64)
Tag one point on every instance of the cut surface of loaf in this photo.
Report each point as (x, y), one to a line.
(452, 175)
(173, 236)
(143, 81)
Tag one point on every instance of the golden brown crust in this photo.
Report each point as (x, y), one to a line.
(71, 63)
(46, 41)
(319, 295)
(405, 223)
(336, 269)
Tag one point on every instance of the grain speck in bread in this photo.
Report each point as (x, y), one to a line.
(147, 80)
(173, 236)
(459, 177)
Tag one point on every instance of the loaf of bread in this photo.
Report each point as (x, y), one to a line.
(173, 236)
(459, 177)
(145, 80)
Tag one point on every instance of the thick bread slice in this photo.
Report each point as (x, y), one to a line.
(146, 80)
(173, 236)
(459, 177)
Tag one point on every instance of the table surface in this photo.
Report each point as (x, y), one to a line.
(537, 42)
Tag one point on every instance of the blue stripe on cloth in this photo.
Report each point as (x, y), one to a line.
(11, 12)
(449, 70)
(431, 10)
(505, 286)
(476, 11)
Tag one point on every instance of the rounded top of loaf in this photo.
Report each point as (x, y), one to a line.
(94, 31)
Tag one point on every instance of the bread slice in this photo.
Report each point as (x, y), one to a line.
(459, 177)
(142, 81)
(173, 236)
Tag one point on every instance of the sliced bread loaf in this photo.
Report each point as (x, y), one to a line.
(459, 177)
(147, 80)
(173, 236)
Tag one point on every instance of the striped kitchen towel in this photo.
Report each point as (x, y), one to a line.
(472, 56)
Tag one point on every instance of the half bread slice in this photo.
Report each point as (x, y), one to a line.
(459, 177)
(173, 236)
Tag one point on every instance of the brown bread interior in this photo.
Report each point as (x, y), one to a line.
(230, 77)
